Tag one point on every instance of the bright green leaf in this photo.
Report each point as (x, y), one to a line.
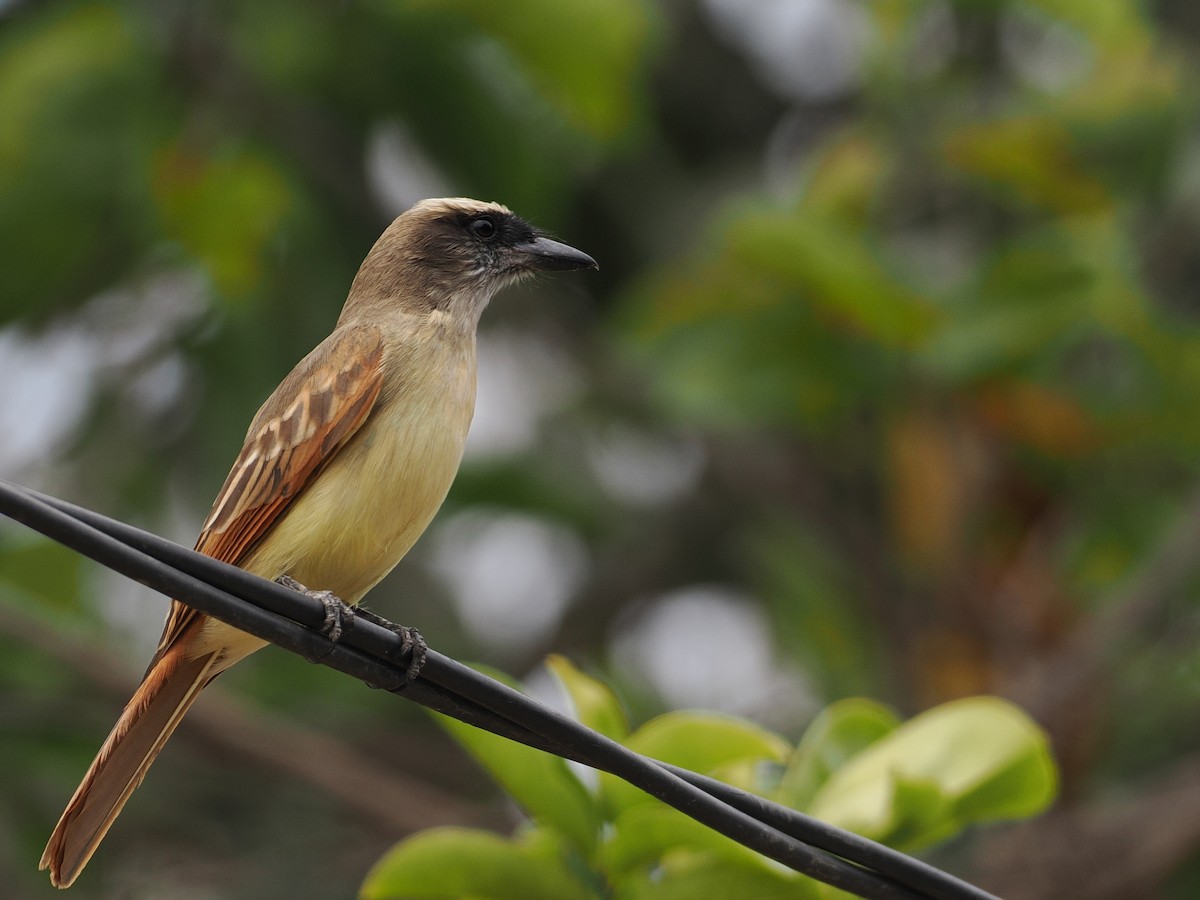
(643, 834)
(708, 743)
(924, 811)
(541, 783)
(595, 705)
(985, 757)
(839, 732)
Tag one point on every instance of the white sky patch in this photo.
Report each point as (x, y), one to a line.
(49, 376)
(522, 379)
(1044, 52)
(156, 389)
(806, 49)
(710, 647)
(132, 610)
(47, 382)
(644, 469)
(511, 576)
(398, 170)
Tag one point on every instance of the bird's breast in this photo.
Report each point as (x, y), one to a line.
(374, 499)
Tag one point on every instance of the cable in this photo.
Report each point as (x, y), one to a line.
(382, 643)
(371, 652)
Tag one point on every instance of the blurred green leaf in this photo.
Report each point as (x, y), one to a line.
(838, 733)
(79, 115)
(594, 703)
(726, 344)
(543, 784)
(585, 56)
(830, 266)
(460, 862)
(223, 209)
(1031, 157)
(1029, 299)
(643, 834)
(696, 878)
(48, 63)
(707, 743)
(43, 570)
(1114, 22)
(967, 761)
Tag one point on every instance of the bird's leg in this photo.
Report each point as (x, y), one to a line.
(337, 611)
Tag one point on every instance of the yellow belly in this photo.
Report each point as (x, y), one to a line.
(355, 522)
(351, 527)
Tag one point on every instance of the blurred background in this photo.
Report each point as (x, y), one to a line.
(889, 385)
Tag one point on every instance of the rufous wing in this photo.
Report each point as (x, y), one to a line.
(300, 428)
(296, 433)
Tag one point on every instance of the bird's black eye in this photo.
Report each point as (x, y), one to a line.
(483, 227)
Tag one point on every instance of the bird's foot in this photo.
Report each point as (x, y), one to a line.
(412, 646)
(337, 610)
(339, 616)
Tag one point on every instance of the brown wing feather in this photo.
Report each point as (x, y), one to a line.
(309, 417)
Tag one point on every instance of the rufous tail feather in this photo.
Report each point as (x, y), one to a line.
(147, 721)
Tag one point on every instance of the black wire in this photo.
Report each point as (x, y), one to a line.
(376, 655)
(385, 644)
(281, 628)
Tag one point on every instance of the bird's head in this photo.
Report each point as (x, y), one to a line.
(454, 254)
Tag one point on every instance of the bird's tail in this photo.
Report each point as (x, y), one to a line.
(149, 718)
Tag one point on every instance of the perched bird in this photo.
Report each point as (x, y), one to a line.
(342, 469)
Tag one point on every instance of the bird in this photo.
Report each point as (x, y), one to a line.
(342, 468)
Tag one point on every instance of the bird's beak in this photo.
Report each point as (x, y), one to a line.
(553, 256)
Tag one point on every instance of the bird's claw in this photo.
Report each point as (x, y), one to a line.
(337, 611)
(412, 646)
(339, 615)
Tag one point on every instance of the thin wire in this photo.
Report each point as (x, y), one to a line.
(374, 654)
(384, 644)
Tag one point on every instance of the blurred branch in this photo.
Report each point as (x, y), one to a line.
(374, 791)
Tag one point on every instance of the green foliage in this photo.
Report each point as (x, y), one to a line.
(457, 862)
(40, 570)
(810, 600)
(78, 123)
(703, 742)
(908, 784)
(593, 702)
(543, 783)
(584, 57)
(837, 734)
(967, 761)
(223, 210)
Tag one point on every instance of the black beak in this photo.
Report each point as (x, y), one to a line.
(553, 256)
